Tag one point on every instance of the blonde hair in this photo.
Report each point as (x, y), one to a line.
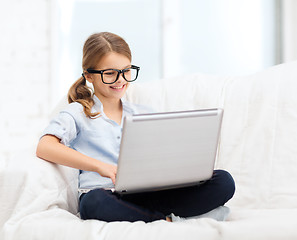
(95, 47)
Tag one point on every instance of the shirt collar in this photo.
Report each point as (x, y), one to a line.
(98, 106)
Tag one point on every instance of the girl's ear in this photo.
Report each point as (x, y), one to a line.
(88, 77)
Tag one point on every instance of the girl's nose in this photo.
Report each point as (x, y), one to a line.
(121, 77)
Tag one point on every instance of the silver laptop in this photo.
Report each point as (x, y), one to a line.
(167, 150)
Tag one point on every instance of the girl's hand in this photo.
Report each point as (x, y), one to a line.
(108, 170)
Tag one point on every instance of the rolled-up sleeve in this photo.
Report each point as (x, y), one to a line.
(64, 127)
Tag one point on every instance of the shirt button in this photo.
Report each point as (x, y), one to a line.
(118, 137)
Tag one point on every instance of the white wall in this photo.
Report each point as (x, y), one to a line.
(24, 73)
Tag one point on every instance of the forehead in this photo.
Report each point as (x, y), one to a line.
(113, 60)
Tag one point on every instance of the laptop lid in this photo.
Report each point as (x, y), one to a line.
(167, 150)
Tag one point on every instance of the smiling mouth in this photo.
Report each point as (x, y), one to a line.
(118, 87)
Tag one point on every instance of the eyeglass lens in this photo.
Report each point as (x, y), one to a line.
(110, 76)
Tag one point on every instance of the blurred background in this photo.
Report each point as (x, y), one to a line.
(41, 47)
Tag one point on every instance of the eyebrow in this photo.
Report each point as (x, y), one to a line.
(130, 65)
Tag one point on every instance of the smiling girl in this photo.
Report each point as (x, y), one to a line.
(86, 135)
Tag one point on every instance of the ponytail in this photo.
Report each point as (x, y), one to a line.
(81, 93)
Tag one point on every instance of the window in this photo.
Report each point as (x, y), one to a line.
(168, 37)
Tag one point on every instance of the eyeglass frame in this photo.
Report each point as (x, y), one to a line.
(93, 71)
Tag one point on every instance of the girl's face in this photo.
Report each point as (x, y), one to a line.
(114, 91)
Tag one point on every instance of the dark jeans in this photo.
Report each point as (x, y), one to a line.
(149, 206)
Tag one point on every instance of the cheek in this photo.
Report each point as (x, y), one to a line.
(98, 85)
(97, 79)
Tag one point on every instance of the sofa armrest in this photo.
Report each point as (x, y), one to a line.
(30, 184)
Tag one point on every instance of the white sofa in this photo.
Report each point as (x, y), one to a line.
(258, 146)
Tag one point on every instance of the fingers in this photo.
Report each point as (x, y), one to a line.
(113, 178)
(113, 173)
(108, 170)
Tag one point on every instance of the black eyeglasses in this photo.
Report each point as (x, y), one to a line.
(110, 76)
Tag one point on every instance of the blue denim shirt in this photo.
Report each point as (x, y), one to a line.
(98, 138)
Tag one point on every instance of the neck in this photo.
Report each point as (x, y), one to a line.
(110, 104)
(113, 109)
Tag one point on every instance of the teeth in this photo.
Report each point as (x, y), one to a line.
(118, 87)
